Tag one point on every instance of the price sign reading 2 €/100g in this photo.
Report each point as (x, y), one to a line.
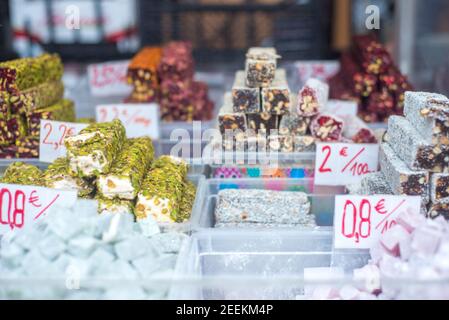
(338, 164)
(360, 220)
(52, 135)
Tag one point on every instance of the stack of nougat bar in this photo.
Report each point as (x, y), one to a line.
(414, 156)
(31, 89)
(251, 116)
(261, 114)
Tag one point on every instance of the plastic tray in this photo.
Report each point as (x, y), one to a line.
(322, 198)
(256, 265)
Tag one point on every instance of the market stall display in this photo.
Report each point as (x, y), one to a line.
(30, 89)
(369, 76)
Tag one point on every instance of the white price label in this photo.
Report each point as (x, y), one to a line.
(322, 70)
(108, 78)
(359, 221)
(341, 108)
(339, 164)
(52, 135)
(20, 205)
(139, 119)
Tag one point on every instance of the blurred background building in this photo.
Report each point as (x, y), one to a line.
(416, 32)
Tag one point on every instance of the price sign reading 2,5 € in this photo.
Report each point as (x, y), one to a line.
(361, 220)
(139, 119)
(338, 164)
(52, 135)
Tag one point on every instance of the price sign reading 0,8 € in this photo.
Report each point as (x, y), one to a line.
(52, 135)
(139, 119)
(338, 164)
(360, 220)
(108, 78)
(20, 205)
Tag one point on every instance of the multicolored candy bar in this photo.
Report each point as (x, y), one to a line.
(228, 119)
(260, 67)
(401, 179)
(128, 170)
(22, 74)
(312, 98)
(115, 206)
(92, 151)
(326, 127)
(23, 174)
(411, 147)
(57, 176)
(276, 97)
(439, 188)
(64, 110)
(429, 114)
(162, 190)
(244, 99)
(357, 130)
(263, 207)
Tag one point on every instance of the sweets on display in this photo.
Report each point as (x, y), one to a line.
(114, 206)
(57, 176)
(312, 97)
(369, 77)
(162, 191)
(260, 66)
(165, 75)
(244, 99)
(92, 151)
(129, 168)
(403, 180)
(356, 130)
(228, 119)
(31, 89)
(412, 148)
(23, 174)
(326, 127)
(248, 207)
(439, 188)
(276, 96)
(262, 122)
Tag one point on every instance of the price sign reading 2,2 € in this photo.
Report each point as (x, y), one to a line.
(360, 220)
(338, 164)
(52, 135)
(139, 119)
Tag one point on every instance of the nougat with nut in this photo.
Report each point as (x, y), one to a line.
(403, 180)
(326, 127)
(260, 67)
(244, 98)
(312, 98)
(228, 119)
(276, 97)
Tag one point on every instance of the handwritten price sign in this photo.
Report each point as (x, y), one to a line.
(52, 135)
(338, 164)
(109, 78)
(360, 220)
(140, 119)
(20, 205)
(341, 107)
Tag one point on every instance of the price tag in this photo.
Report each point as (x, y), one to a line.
(21, 205)
(341, 107)
(52, 135)
(339, 164)
(139, 119)
(360, 220)
(108, 79)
